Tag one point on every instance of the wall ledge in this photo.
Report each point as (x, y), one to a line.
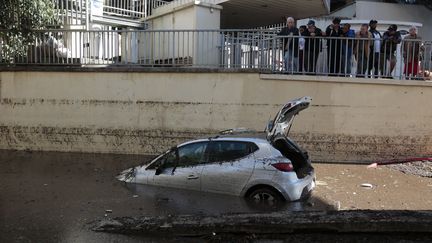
(327, 79)
(131, 68)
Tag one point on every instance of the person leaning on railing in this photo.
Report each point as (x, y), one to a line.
(290, 39)
(347, 48)
(375, 49)
(391, 39)
(361, 50)
(334, 46)
(312, 46)
(411, 52)
(302, 30)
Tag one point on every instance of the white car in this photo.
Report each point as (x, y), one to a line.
(263, 166)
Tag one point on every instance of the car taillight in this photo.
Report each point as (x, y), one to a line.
(285, 167)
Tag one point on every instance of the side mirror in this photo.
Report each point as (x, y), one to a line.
(159, 170)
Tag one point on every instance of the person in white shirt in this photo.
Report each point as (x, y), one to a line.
(375, 49)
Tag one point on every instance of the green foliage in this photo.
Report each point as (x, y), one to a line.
(18, 20)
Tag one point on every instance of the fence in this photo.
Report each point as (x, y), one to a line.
(204, 48)
(354, 57)
(81, 11)
(133, 9)
(245, 49)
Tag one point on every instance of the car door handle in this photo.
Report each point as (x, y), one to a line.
(192, 177)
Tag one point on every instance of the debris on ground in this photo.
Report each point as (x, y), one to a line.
(419, 168)
(367, 185)
(321, 183)
(372, 166)
(337, 205)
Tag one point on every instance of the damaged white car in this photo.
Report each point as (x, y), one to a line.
(262, 166)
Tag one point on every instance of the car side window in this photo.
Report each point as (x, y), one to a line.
(166, 161)
(192, 154)
(221, 151)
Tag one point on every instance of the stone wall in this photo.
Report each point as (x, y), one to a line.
(146, 112)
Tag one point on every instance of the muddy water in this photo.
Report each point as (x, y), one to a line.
(51, 197)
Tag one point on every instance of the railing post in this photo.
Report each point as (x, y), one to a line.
(145, 8)
(87, 12)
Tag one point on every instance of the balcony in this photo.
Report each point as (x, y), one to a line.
(125, 13)
(133, 13)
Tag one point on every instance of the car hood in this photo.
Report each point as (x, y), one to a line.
(284, 118)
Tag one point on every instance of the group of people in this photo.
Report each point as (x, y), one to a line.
(373, 53)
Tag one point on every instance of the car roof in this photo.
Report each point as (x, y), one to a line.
(250, 136)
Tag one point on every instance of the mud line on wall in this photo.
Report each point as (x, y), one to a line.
(321, 147)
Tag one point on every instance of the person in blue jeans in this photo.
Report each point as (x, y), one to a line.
(290, 39)
(347, 48)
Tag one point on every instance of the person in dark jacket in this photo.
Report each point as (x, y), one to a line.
(375, 48)
(290, 43)
(391, 39)
(302, 31)
(312, 46)
(334, 46)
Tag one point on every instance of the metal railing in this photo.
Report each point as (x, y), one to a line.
(80, 12)
(175, 3)
(71, 11)
(193, 48)
(353, 57)
(133, 9)
(244, 49)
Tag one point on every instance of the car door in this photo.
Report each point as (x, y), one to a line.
(229, 167)
(182, 167)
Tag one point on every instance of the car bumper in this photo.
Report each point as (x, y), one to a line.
(294, 189)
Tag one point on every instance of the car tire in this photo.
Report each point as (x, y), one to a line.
(265, 195)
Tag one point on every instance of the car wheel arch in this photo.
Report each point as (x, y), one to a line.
(255, 187)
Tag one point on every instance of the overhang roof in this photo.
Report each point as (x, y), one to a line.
(255, 13)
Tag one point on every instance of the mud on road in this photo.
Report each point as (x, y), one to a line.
(51, 197)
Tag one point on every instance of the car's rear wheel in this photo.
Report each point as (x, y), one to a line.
(265, 195)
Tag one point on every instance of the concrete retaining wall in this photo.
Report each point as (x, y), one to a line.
(145, 112)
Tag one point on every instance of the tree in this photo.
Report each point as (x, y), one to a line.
(18, 21)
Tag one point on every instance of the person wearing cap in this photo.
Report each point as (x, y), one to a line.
(391, 39)
(375, 49)
(290, 41)
(334, 46)
(311, 22)
(312, 46)
(411, 52)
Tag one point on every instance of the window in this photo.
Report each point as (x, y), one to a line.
(192, 154)
(220, 151)
(166, 161)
